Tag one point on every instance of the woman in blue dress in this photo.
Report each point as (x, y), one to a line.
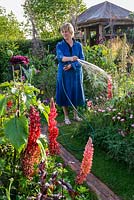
(69, 86)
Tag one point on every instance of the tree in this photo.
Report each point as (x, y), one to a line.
(49, 15)
(10, 28)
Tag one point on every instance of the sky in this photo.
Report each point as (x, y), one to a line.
(15, 5)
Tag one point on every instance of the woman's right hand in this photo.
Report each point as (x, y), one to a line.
(67, 67)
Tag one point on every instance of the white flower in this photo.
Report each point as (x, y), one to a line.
(24, 98)
(132, 125)
(13, 90)
(131, 116)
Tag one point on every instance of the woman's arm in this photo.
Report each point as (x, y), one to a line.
(61, 57)
(72, 58)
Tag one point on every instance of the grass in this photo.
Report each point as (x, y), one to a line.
(114, 174)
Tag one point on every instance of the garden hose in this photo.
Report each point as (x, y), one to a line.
(81, 115)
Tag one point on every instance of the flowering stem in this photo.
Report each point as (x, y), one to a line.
(14, 162)
(20, 73)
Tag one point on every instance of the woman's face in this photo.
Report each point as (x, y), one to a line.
(66, 34)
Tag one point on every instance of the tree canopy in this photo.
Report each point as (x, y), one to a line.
(47, 16)
(10, 28)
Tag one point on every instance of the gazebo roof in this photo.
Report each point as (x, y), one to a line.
(103, 11)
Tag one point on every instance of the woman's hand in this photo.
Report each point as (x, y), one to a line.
(67, 67)
(74, 58)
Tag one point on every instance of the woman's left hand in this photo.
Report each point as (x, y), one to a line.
(67, 67)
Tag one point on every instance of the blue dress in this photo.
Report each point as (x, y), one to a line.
(69, 86)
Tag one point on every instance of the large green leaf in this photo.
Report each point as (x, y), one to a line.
(16, 130)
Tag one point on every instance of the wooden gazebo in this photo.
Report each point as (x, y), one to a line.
(104, 21)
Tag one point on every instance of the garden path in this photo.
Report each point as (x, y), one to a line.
(102, 191)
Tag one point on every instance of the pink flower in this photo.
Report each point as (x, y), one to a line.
(109, 88)
(53, 130)
(86, 162)
(89, 103)
(23, 78)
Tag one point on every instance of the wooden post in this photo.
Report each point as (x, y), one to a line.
(100, 32)
(85, 36)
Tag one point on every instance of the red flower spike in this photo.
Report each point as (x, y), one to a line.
(31, 155)
(53, 130)
(86, 162)
(109, 88)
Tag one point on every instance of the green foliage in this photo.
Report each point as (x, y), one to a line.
(113, 125)
(15, 101)
(45, 78)
(97, 85)
(9, 189)
(23, 47)
(17, 96)
(16, 129)
(115, 174)
(56, 177)
(100, 56)
(48, 16)
(9, 27)
(2, 104)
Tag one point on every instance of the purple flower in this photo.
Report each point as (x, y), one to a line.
(19, 60)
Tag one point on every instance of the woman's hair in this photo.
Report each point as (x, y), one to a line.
(68, 27)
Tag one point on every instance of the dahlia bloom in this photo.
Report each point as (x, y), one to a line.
(19, 60)
(53, 130)
(31, 155)
(109, 88)
(86, 162)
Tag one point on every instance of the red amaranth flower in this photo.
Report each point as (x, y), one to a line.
(86, 162)
(109, 88)
(31, 155)
(19, 60)
(9, 104)
(53, 130)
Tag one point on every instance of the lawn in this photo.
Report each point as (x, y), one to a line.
(114, 174)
